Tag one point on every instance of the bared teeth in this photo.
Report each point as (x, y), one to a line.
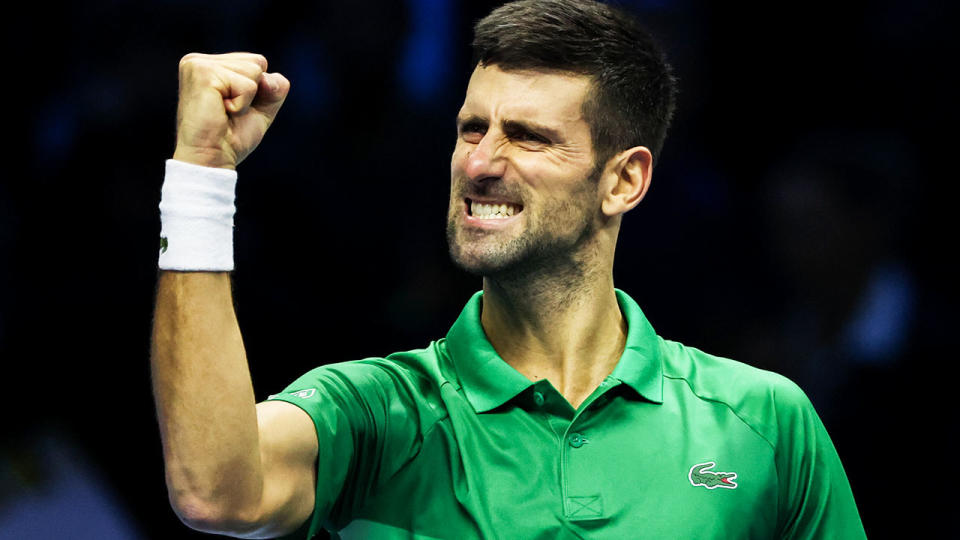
(493, 211)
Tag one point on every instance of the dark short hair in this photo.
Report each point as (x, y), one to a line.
(633, 95)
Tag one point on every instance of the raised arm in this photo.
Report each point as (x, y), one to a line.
(232, 466)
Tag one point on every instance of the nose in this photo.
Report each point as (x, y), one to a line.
(485, 160)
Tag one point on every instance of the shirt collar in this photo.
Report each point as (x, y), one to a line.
(640, 366)
(488, 381)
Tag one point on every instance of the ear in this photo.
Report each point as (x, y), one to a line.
(626, 180)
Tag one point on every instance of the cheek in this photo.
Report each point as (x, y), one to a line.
(454, 158)
(550, 174)
(460, 150)
(536, 174)
(570, 201)
(458, 162)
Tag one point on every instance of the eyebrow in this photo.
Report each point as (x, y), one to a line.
(471, 120)
(511, 126)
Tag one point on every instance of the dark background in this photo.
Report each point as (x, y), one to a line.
(799, 221)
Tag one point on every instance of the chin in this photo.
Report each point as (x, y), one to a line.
(474, 263)
(496, 265)
(474, 259)
(485, 255)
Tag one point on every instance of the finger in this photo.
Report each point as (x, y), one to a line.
(271, 93)
(199, 68)
(258, 59)
(197, 71)
(246, 63)
(254, 58)
(238, 91)
(273, 87)
(246, 68)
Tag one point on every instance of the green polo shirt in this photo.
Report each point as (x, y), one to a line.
(452, 442)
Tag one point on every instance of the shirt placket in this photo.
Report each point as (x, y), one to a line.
(578, 454)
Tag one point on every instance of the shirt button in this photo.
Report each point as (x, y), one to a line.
(576, 440)
(538, 398)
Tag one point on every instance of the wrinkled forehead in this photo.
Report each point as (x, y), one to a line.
(539, 95)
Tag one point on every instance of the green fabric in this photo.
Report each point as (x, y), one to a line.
(452, 442)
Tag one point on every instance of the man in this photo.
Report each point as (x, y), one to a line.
(551, 409)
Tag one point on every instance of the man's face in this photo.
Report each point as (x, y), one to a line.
(521, 192)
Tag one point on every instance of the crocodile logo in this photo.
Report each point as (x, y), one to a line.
(700, 476)
(163, 244)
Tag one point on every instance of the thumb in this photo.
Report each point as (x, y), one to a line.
(272, 91)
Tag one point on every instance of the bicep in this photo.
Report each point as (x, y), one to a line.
(288, 453)
(367, 424)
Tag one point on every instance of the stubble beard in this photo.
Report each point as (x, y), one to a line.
(552, 242)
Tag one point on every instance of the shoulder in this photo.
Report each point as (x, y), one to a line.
(405, 383)
(401, 369)
(814, 497)
(762, 399)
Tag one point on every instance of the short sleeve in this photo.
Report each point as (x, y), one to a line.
(367, 428)
(815, 499)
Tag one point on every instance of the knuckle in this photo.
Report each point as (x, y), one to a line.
(190, 65)
(189, 58)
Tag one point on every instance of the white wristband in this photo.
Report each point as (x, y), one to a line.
(196, 218)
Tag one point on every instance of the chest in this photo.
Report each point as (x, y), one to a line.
(616, 470)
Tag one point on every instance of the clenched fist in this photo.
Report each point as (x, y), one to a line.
(227, 102)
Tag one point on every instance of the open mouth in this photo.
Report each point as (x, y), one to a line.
(492, 209)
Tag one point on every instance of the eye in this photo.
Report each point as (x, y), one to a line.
(530, 136)
(526, 135)
(473, 131)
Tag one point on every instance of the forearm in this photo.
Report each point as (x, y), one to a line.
(218, 477)
(205, 402)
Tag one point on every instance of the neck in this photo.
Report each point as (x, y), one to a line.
(563, 326)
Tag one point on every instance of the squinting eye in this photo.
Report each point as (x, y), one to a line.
(472, 133)
(533, 137)
(529, 137)
(522, 134)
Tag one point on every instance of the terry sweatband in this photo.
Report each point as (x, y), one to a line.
(196, 218)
